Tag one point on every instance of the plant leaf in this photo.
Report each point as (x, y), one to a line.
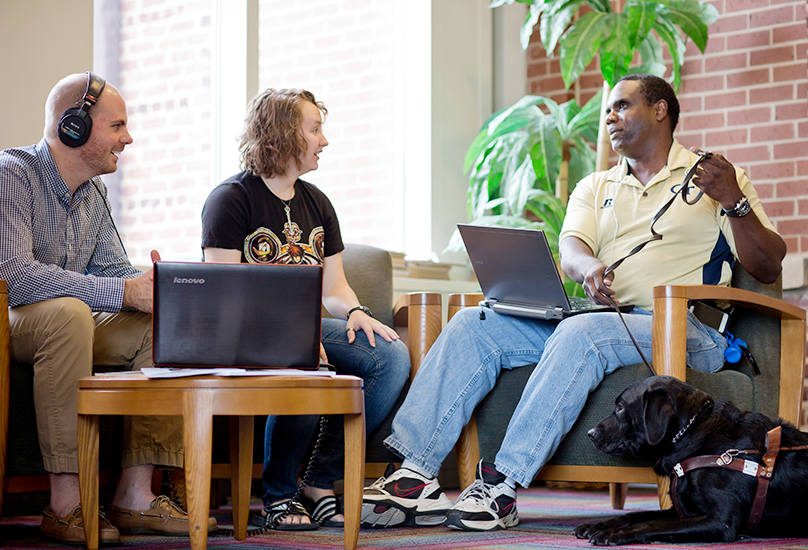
(546, 154)
(693, 18)
(641, 16)
(530, 22)
(554, 22)
(615, 51)
(653, 61)
(676, 46)
(580, 44)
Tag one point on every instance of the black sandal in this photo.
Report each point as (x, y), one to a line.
(323, 510)
(276, 513)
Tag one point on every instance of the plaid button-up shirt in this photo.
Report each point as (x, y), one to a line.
(54, 243)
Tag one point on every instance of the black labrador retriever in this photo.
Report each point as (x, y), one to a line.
(670, 421)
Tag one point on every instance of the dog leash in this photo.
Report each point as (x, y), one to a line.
(657, 237)
(762, 472)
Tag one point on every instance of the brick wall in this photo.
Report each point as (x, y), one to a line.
(165, 78)
(344, 51)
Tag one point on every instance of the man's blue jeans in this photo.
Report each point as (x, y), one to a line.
(384, 369)
(572, 357)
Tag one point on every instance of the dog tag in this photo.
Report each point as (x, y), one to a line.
(678, 469)
(750, 468)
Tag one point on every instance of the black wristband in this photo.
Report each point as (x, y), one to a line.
(364, 309)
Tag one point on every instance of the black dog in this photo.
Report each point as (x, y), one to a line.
(668, 420)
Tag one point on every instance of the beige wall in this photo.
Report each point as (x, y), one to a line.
(32, 59)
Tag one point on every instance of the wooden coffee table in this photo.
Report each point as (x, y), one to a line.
(198, 399)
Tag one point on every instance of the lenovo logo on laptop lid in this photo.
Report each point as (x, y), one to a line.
(518, 275)
(236, 315)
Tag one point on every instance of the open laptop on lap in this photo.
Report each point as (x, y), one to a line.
(236, 315)
(518, 275)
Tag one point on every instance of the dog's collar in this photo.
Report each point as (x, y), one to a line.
(690, 422)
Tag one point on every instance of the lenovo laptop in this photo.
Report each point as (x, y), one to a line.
(518, 275)
(236, 315)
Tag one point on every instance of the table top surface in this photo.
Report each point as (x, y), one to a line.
(137, 380)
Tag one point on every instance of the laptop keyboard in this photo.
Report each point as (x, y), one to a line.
(581, 304)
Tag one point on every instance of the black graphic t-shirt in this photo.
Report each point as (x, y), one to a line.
(243, 214)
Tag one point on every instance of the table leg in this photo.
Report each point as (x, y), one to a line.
(198, 437)
(88, 440)
(354, 476)
(241, 454)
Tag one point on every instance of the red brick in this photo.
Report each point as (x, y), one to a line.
(690, 140)
(702, 122)
(536, 52)
(743, 5)
(772, 132)
(748, 116)
(791, 33)
(792, 246)
(792, 150)
(777, 170)
(802, 167)
(747, 78)
(690, 104)
(792, 227)
(536, 69)
(747, 40)
(749, 154)
(715, 44)
(692, 67)
(764, 190)
(729, 23)
(792, 188)
(724, 100)
(796, 71)
(726, 62)
(770, 17)
(769, 56)
(775, 209)
(702, 84)
(725, 137)
(776, 93)
(802, 129)
(802, 208)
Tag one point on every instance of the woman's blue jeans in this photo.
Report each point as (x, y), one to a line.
(572, 357)
(384, 369)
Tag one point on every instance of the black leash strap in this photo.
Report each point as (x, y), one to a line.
(657, 237)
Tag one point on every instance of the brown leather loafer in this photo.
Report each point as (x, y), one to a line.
(70, 529)
(162, 518)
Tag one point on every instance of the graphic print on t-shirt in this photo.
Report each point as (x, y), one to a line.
(262, 246)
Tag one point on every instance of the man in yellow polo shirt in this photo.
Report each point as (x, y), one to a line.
(609, 213)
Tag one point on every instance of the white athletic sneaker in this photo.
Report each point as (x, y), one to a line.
(488, 504)
(404, 497)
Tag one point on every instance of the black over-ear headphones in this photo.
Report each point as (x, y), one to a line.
(75, 124)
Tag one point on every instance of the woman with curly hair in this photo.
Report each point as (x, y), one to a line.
(267, 214)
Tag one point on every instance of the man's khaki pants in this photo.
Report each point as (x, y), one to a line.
(63, 339)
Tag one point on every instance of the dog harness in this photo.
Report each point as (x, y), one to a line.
(762, 472)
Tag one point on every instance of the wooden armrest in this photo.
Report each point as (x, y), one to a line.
(420, 315)
(5, 381)
(460, 301)
(670, 335)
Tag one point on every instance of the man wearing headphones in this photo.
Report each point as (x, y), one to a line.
(76, 301)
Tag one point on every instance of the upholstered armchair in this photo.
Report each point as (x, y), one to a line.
(774, 331)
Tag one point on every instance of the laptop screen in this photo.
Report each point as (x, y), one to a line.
(236, 315)
(514, 265)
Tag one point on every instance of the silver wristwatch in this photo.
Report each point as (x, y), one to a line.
(740, 209)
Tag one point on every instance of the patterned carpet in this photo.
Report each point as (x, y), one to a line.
(547, 517)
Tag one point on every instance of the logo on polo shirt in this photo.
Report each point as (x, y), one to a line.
(607, 204)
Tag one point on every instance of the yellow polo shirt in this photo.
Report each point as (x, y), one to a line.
(611, 212)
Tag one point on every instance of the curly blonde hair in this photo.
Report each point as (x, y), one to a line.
(271, 135)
